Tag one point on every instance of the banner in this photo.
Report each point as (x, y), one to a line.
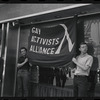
(52, 44)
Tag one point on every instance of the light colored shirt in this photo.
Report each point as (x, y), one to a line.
(86, 61)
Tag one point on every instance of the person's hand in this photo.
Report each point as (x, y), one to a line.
(74, 60)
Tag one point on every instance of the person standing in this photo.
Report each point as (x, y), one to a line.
(58, 76)
(83, 64)
(63, 77)
(23, 74)
(92, 79)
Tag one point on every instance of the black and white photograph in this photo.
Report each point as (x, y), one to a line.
(50, 50)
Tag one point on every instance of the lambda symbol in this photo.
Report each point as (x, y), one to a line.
(70, 44)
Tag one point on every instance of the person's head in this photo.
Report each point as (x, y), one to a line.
(83, 48)
(23, 51)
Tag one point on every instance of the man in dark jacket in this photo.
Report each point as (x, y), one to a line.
(58, 76)
(63, 76)
(93, 72)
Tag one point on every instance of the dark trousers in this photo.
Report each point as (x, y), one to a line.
(58, 81)
(63, 80)
(92, 83)
(22, 83)
(80, 86)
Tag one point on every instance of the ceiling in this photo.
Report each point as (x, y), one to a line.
(60, 14)
(94, 8)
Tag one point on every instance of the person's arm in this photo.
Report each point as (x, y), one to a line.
(21, 64)
(86, 66)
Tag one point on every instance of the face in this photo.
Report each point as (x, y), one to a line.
(23, 52)
(83, 48)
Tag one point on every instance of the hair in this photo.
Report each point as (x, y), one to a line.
(23, 48)
(83, 43)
